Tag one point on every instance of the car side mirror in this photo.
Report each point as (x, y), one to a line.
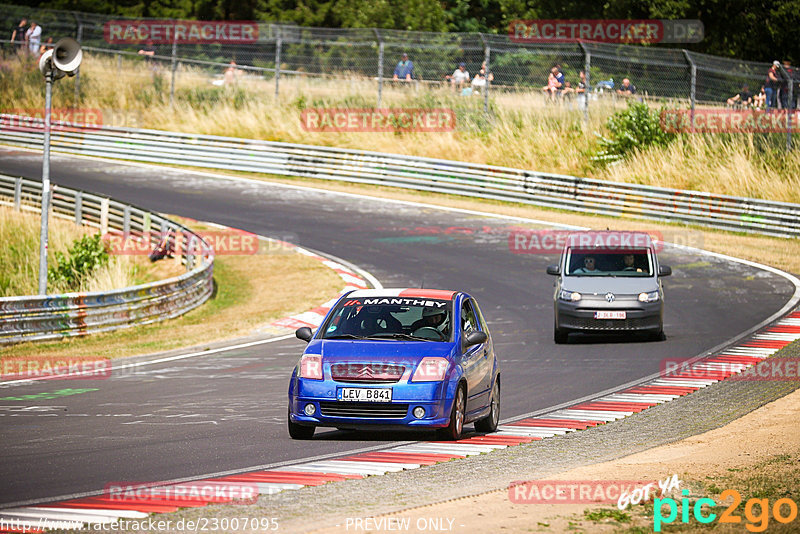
(476, 337)
(664, 270)
(304, 333)
(553, 269)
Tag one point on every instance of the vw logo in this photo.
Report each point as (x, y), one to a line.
(610, 297)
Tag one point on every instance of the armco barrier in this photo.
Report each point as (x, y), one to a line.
(41, 317)
(424, 174)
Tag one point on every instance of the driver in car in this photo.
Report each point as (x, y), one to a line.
(431, 317)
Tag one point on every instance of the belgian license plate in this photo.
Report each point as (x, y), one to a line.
(609, 315)
(364, 394)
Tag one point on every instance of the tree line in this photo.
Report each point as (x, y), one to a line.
(745, 29)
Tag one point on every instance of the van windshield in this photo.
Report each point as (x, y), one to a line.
(588, 262)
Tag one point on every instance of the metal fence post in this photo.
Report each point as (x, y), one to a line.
(487, 52)
(79, 208)
(119, 63)
(278, 43)
(126, 220)
(380, 67)
(78, 74)
(587, 67)
(790, 105)
(174, 67)
(17, 193)
(693, 87)
(104, 216)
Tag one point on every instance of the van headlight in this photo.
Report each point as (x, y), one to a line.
(651, 296)
(573, 296)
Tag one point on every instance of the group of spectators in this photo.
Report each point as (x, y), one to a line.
(459, 79)
(775, 91)
(28, 38)
(558, 87)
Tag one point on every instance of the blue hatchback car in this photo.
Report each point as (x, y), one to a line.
(397, 358)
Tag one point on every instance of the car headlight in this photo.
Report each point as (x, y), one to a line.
(431, 369)
(573, 296)
(311, 366)
(651, 296)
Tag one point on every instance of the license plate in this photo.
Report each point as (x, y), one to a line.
(609, 315)
(364, 394)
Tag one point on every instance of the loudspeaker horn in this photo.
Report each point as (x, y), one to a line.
(67, 55)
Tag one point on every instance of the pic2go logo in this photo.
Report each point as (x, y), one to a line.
(756, 511)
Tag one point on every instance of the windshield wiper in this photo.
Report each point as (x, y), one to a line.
(398, 335)
(345, 336)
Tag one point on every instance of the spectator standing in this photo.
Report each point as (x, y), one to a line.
(404, 69)
(34, 37)
(627, 88)
(771, 85)
(18, 35)
(459, 78)
(479, 82)
(743, 98)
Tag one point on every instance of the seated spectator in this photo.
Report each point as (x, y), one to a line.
(404, 70)
(627, 88)
(581, 84)
(554, 85)
(479, 81)
(232, 74)
(567, 91)
(459, 78)
(760, 100)
(46, 46)
(743, 98)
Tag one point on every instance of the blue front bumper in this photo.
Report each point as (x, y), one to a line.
(434, 397)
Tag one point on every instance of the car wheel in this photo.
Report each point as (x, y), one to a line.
(456, 426)
(489, 423)
(659, 336)
(299, 431)
(559, 335)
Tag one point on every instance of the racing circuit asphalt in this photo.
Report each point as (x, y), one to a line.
(227, 411)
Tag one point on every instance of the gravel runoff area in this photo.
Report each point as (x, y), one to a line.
(327, 507)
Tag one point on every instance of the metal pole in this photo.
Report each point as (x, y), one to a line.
(587, 67)
(486, 56)
(693, 87)
(78, 74)
(789, 106)
(45, 185)
(278, 43)
(380, 67)
(174, 67)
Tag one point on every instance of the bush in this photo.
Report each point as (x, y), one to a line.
(632, 129)
(85, 256)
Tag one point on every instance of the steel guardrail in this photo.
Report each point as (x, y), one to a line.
(45, 317)
(585, 195)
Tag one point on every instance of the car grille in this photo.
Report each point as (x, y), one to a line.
(363, 409)
(366, 372)
(612, 324)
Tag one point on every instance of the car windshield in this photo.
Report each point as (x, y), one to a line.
(587, 262)
(390, 318)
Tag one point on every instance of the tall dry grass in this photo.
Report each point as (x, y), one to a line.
(521, 131)
(19, 258)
